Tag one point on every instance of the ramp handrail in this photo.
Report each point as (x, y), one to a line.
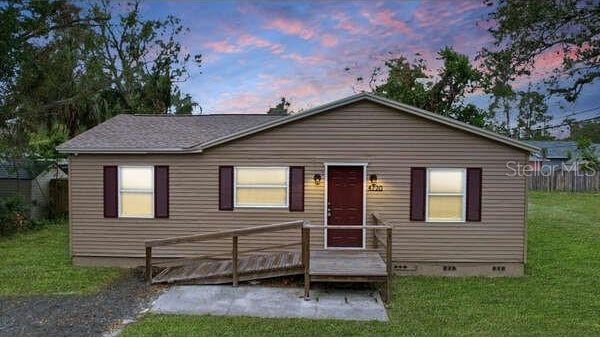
(234, 234)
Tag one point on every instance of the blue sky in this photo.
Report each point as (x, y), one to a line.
(257, 51)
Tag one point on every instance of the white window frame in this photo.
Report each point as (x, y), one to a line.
(286, 186)
(463, 194)
(119, 190)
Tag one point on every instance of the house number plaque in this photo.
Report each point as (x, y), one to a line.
(375, 187)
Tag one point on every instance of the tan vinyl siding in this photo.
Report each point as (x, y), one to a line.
(391, 143)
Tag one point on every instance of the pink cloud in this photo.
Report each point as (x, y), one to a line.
(304, 59)
(347, 23)
(243, 42)
(329, 40)
(444, 14)
(386, 18)
(222, 47)
(300, 29)
(545, 64)
(292, 27)
(304, 91)
(251, 40)
(242, 103)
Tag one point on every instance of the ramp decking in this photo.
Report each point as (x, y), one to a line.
(326, 265)
(212, 271)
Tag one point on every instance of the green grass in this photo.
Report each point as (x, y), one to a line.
(560, 294)
(37, 262)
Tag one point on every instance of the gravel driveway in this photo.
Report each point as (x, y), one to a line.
(76, 315)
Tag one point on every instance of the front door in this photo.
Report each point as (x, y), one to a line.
(345, 205)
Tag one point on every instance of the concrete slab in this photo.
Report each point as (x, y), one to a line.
(270, 302)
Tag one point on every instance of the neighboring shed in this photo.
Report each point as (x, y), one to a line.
(30, 183)
(556, 153)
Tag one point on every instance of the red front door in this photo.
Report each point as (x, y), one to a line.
(345, 205)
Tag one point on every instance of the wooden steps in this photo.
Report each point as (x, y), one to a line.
(220, 271)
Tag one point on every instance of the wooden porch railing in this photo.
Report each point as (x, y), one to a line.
(234, 234)
(380, 226)
(387, 244)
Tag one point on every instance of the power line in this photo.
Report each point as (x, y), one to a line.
(567, 123)
(582, 111)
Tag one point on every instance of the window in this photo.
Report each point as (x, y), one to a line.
(445, 195)
(136, 192)
(261, 187)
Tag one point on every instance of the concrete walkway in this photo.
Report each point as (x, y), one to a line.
(270, 302)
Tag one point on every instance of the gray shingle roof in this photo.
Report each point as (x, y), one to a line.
(8, 171)
(162, 132)
(24, 170)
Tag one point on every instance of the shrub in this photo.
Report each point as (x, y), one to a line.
(13, 215)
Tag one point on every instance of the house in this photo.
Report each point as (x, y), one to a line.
(29, 182)
(555, 154)
(444, 186)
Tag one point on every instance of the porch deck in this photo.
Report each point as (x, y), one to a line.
(346, 265)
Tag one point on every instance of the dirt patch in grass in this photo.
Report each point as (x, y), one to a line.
(76, 315)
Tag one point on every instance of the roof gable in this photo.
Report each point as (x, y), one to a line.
(383, 101)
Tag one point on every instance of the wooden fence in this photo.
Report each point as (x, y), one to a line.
(575, 181)
(58, 194)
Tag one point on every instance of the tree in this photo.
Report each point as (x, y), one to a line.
(497, 81)
(524, 30)
(144, 58)
(587, 155)
(280, 109)
(457, 78)
(64, 69)
(404, 81)
(443, 93)
(589, 130)
(532, 117)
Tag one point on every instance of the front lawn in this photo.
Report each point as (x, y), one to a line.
(37, 262)
(560, 294)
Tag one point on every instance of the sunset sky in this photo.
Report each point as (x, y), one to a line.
(255, 52)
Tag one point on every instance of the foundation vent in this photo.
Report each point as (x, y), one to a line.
(498, 268)
(405, 267)
(449, 268)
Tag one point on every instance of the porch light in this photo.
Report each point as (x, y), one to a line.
(317, 179)
(373, 178)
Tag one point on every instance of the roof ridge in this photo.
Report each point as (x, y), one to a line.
(200, 115)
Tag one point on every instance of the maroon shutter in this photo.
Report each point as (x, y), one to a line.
(474, 194)
(417, 194)
(225, 188)
(296, 187)
(161, 191)
(110, 192)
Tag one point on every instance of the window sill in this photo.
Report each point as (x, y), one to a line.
(260, 207)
